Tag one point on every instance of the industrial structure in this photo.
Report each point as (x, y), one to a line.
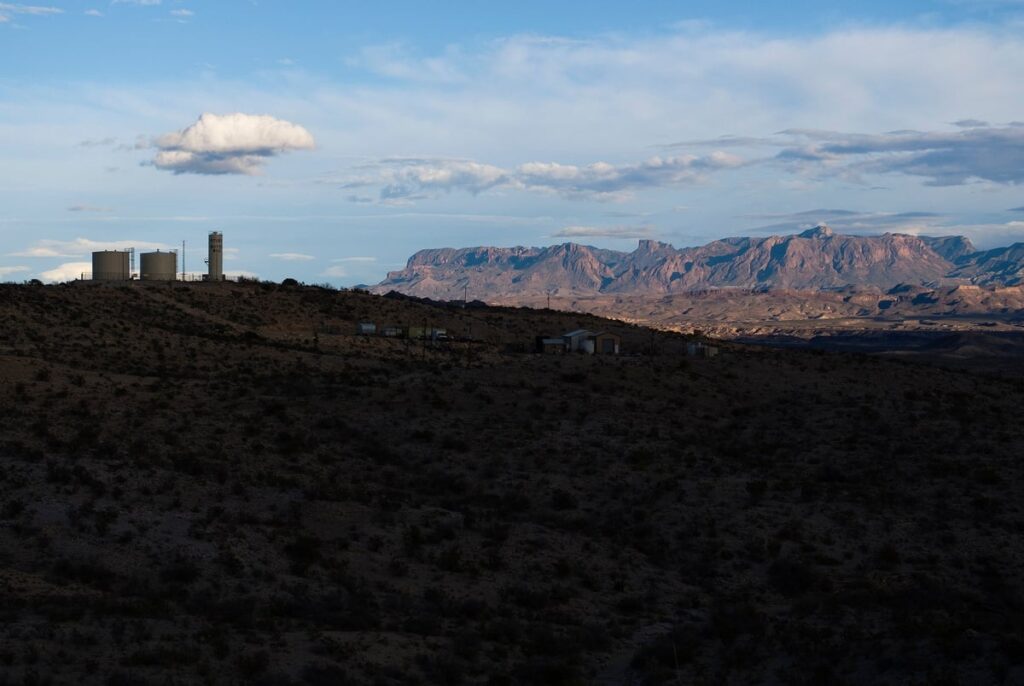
(157, 265)
(215, 258)
(111, 265)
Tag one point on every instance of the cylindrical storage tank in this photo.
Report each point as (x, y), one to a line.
(215, 258)
(110, 265)
(159, 266)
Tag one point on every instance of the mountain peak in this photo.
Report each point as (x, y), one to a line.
(650, 245)
(819, 231)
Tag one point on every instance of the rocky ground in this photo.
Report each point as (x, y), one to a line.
(222, 484)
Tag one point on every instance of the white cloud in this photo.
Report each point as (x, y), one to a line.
(416, 178)
(89, 208)
(69, 271)
(7, 271)
(28, 9)
(93, 13)
(291, 256)
(335, 271)
(944, 158)
(82, 246)
(631, 232)
(228, 144)
(355, 259)
(182, 13)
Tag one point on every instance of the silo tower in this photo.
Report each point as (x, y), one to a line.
(215, 261)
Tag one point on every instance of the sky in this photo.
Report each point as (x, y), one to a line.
(330, 141)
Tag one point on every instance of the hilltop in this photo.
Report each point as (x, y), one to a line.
(222, 483)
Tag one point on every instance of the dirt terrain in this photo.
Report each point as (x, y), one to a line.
(222, 483)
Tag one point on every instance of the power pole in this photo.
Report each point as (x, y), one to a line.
(183, 260)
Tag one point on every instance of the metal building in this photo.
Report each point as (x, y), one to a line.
(111, 265)
(159, 266)
(215, 260)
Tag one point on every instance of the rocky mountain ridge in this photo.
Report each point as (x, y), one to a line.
(816, 259)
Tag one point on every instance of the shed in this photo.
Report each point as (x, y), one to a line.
(366, 328)
(607, 343)
(697, 349)
(550, 345)
(577, 340)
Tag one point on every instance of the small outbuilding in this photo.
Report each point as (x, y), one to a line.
(591, 343)
(366, 328)
(550, 345)
(607, 343)
(697, 349)
(576, 341)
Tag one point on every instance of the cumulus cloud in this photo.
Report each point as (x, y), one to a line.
(182, 13)
(405, 179)
(292, 256)
(82, 246)
(69, 271)
(93, 13)
(603, 232)
(228, 144)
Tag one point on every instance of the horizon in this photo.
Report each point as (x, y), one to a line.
(330, 144)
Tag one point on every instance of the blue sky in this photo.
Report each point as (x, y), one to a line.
(329, 141)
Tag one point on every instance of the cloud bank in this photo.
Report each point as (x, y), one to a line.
(630, 232)
(409, 179)
(953, 158)
(228, 144)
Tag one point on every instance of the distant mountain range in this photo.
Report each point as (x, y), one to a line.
(816, 259)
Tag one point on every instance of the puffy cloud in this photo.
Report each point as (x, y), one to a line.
(405, 179)
(182, 13)
(291, 256)
(228, 144)
(603, 232)
(69, 271)
(93, 13)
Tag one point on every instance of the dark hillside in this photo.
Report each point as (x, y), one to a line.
(211, 484)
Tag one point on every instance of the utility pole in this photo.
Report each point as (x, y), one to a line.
(183, 260)
(465, 294)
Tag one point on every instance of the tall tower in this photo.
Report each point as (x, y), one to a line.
(215, 261)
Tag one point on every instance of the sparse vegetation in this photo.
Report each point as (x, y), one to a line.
(195, 488)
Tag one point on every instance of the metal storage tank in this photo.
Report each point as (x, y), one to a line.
(110, 265)
(215, 258)
(159, 266)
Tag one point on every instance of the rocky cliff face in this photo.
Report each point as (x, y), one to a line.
(815, 259)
